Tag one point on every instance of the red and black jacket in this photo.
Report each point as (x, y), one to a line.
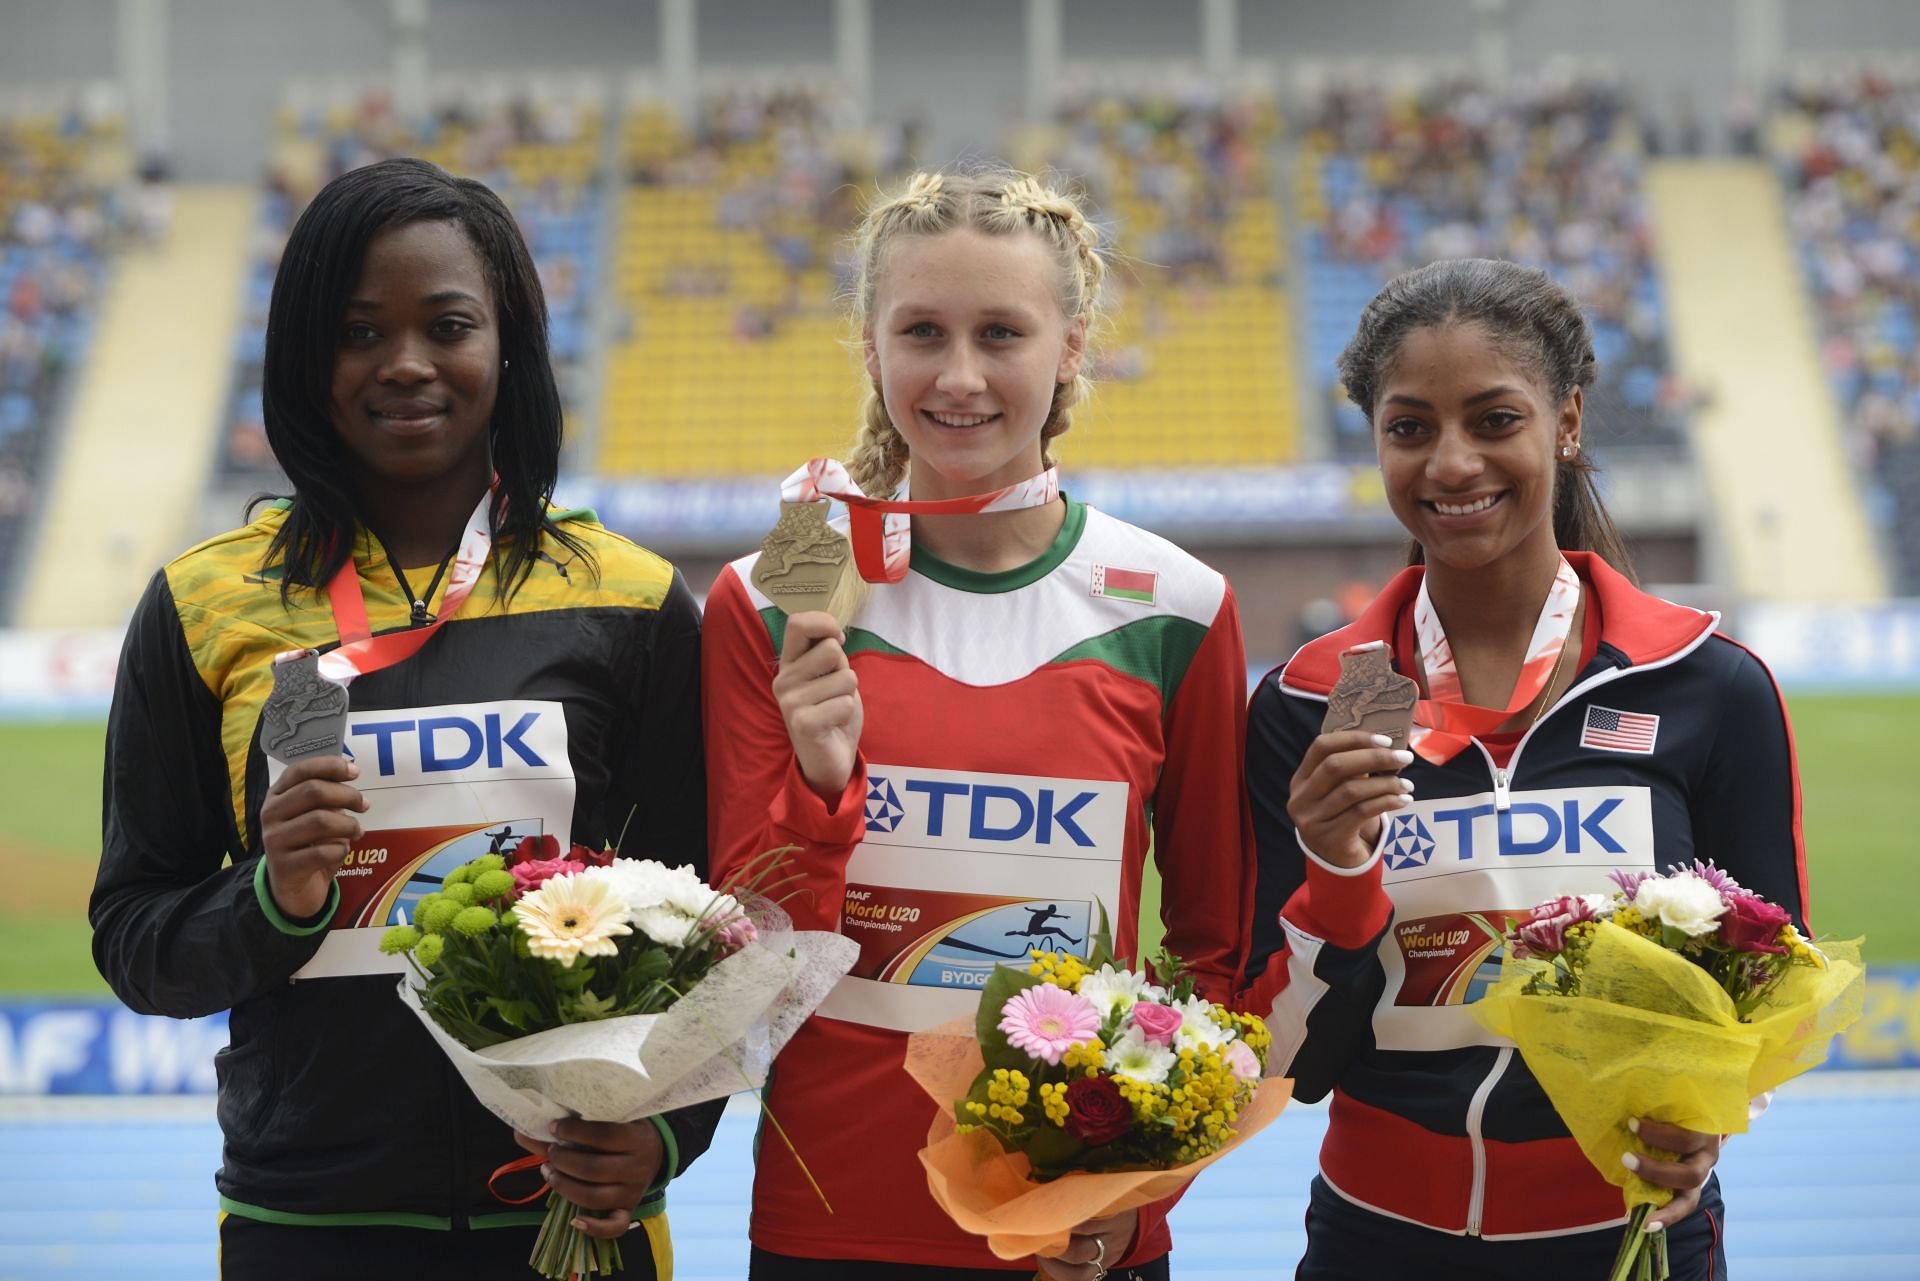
(1368, 972)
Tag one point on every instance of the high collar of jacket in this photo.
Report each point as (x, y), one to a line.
(1643, 628)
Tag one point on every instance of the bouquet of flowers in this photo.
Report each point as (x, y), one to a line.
(1084, 1090)
(1679, 998)
(604, 988)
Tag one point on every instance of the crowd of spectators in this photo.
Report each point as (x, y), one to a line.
(62, 207)
(1849, 152)
(540, 154)
(787, 166)
(1548, 175)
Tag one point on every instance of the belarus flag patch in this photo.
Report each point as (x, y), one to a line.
(1124, 584)
(1616, 731)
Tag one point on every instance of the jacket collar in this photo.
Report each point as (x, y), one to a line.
(1642, 628)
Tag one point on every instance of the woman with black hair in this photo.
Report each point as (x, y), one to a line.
(1569, 726)
(410, 400)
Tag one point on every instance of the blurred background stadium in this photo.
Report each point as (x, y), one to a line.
(1731, 186)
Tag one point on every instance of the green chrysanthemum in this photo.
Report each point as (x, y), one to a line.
(487, 863)
(493, 883)
(428, 950)
(475, 921)
(398, 939)
(459, 875)
(460, 892)
(435, 917)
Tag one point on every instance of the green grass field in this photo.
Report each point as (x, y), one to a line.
(1853, 750)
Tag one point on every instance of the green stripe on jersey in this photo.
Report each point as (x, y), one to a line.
(1158, 650)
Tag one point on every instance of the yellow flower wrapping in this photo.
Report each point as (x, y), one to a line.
(1653, 1036)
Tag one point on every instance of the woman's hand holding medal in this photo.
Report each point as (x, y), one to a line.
(307, 828)
(819, 696)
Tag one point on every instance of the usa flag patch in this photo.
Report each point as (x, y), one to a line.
(1617, 731)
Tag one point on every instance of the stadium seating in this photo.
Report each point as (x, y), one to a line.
(541, 154)
(1197, 369)
(63, 202)
(1548, 176)
(1848, 149)
(730, 354)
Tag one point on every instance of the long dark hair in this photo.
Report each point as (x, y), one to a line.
(318, 270)
(1533, 320)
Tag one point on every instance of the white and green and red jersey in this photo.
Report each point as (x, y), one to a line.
(1029, 737)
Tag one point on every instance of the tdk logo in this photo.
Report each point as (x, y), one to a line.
(883, 805)
(1000, 813)
(1602, 826)
(1409, 843)
(521, 739)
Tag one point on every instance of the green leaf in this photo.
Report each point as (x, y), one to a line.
(1052, 1150)
(1100, 945)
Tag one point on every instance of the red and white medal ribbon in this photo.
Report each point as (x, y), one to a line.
(1444, 722)
(360, 651)
(879, 528)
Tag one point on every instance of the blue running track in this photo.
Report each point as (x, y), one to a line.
(1827, 1186)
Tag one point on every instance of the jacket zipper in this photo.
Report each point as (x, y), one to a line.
(1476, 1115)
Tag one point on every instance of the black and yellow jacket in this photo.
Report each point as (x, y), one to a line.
(334, 1103)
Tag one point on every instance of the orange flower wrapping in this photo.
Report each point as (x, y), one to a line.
(989, 1191)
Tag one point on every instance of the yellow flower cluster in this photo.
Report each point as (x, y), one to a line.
(1007, 1093)
(1253, 1030)
(1148, 1099)
(1629, 918)
(1062, 969)
(1088, 1055)
(1053, 1101)
(1800, 952)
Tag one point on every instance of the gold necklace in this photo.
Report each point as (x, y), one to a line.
(1570, 645)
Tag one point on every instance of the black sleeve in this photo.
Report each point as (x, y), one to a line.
(659, 791)
(178, 929)
(1745, 806)
(657, 796)
(1314, 966)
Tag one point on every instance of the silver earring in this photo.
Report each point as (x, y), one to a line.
(1566, 451)
(505, 364)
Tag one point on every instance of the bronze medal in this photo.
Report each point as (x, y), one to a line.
(305, 715)
(806, 564)
(1371, 696)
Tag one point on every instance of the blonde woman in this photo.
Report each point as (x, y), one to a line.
(980, 763)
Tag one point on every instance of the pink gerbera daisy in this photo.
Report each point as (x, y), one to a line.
(1046, 1021)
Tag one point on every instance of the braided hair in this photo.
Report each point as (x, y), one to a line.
(997, 202)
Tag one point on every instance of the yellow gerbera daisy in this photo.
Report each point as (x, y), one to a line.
(571, 914)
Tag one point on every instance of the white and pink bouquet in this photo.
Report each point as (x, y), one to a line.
(1679, 999)
(608, 989)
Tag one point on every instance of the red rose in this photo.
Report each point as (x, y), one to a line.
(535, 849)
(592, 858)
(1753, 925)
(1096, 1111)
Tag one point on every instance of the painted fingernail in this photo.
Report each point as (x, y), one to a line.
(1406, 785)
(579, 1225)
(546, 1172)
(1629, 1160)
(1652, 1226)
(1381, 740)
(1402, 757)
(1633, 1124)
(1403, 800)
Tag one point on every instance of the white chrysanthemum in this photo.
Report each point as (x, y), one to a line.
(1196, 1028)
(1117, 991)
(570, 915)
(1138, 1059)
(1683, 901)
(1601, 905)
(665, 925)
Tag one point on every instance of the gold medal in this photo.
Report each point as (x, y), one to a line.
(806, 564)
